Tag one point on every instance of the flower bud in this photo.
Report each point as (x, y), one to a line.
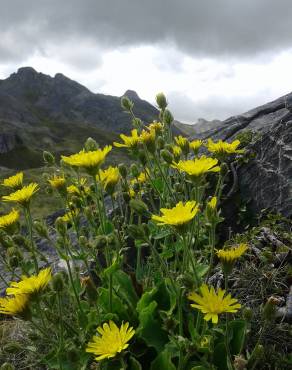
(224, 169)
(166, 155)
(111, 240)
(58, 282)
(269, 309)
(138, 206)
(126, 104)
(123, 170)
(13, 262)
(178, 187)
(161, 101)
(83, 240)
(136, 232)
(134, 170)
(90, 145)
(126, 196)
(61, 226)
(167, 117)
(248, 313)
(160, 142)
(18, 239)
(101, 241)
(49, 159)
(41, 229)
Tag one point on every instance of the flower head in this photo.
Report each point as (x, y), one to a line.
(232, 254)
(183, 143)
(195, 145)
(110, 340)
(69, 216)
(222, 147)
(31, 285)
(22, 196)
(148, 138)
(14, 305)
(212, 203)
(212, 304)
(91, 160)
(57, 182)
(130, 142)
(177, 216)
(14, 182)
(109, 178)
(9, 219)
(156, 126)
(176, 151)
(197, 167)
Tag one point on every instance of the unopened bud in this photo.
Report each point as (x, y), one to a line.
(101, 241)
(60, 226)
(123, 170)
(7, 366)
(136, 232)
(134, 170)
(58, 282)
(41, 229)
(49, 159)
(161, 101)
(90, 145)
(166, 155)
(126, 104)
(269, 309)
(138, 206)
(167, 117)
(142, 157)
(160, 142)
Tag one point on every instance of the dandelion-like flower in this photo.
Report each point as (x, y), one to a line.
(57, 182)
(197, 167)
(212, 203)
(91, 160)
(232, 254)
(183, 143)
(23, 195)
(156, 126)
(31, 285)
(212, 304)
(177, 216)
(176, 151)
(148, 138)
(195, 145)
(14, 182)
(130, 142)
(9, 219)
(110, 340)
(14, 305)
(69, 216)
(109, 178)
(222, 147)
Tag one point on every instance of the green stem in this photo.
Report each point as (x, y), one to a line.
(212, 244)
(73, 286)
(226, 328)
(32, 246)
(111, 292)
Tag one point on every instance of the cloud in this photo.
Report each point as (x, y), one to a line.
(228, 28)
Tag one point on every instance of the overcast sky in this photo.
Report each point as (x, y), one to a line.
(212, 58)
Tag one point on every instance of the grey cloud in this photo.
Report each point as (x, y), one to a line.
(229, 28)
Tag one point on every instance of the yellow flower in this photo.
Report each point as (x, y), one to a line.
(195, 145)
(110, 340)
(31, 285)
(183, 143)
(176, 151)
(212, 203)
(9, 219)
(232, 254)
(212, 304)
(69, 216)
(57, 182)
(157, 126)
(14, 182)
(198, 166)
(109, 178)
(179, 215)
(73, 189)
(130, 142)
(14, 305)
(222, 147)
(148, 138)
(88, 160)
(23, 195)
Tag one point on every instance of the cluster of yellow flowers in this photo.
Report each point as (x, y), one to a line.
(19, 293)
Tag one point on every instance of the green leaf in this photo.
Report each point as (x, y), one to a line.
(159, 184)
(126, 289)
(163, 362)
(109, 227)
(118, 306)
(150, 324)
(220, 356)
(237, 330)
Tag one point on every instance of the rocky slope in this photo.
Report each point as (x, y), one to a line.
(265, 182)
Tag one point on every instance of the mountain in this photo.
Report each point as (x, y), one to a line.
(39, 112)
(199, 127)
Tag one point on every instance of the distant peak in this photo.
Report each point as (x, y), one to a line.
(131, 94)
(26, 70)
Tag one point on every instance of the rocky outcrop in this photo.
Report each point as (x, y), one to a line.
(265, 182)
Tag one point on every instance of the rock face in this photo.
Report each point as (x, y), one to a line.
(265, 182)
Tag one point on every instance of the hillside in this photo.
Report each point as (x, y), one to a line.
(39, 112)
